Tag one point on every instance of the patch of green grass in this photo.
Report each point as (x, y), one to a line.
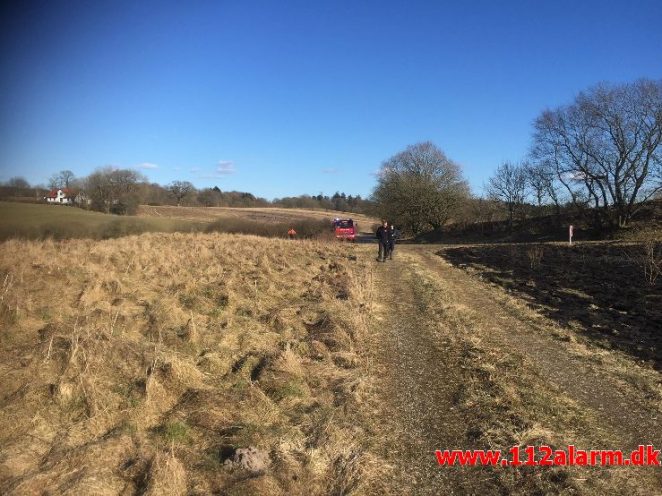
(289, 389)
(176, 432)
(129, 394)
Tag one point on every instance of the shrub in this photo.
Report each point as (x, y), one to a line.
(305, 229)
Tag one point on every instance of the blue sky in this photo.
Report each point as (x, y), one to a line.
(285, 98)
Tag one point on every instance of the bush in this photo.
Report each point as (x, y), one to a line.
(305, 229)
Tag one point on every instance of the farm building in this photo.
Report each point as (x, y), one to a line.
(59, 196)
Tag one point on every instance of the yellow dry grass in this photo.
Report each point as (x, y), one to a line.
(266, 214)
(142, 364)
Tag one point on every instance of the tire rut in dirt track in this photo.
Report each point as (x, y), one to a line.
(416, 388)
(625, 414)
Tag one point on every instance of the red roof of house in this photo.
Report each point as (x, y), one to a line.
(53, 192)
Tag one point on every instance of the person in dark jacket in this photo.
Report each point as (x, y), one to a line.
(382, 237)
(393, 234)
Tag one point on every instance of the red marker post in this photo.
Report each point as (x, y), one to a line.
(570, 233)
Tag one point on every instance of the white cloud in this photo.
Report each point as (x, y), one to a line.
(225, 167)
(148, 165)
(330, 170)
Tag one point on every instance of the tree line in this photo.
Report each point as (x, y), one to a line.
(121, 191)
(599, 155)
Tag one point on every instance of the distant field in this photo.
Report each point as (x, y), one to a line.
(33, 221)
(268, 214)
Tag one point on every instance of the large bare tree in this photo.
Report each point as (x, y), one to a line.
(420, 188)
(180, 190)
(607, 142)
(114, 190)
(63, 179)
(508, 184)
(541, 180)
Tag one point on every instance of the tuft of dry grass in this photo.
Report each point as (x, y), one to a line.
(140, 364)
(167, 476)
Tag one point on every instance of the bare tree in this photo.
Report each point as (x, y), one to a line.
(180, 190)
(18, 182)
(67, 178)
(509, 186)
(63, 179)
(608, 142)
(15, 187)
(541, 180)
(420, 188)
(210, 197)
(114, 190)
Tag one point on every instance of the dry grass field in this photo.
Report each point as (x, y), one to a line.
(215, 363)
(270, 214)
(183, 364)
(40, 221)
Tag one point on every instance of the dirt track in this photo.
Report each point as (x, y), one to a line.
(464, 365)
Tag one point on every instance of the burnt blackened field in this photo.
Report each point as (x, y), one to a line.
(600, 289)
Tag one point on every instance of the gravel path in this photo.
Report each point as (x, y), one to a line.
(419, 375)
(418, 362)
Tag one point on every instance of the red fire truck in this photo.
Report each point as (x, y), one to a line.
(345, 229)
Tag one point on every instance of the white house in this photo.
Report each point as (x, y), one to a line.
(82, 199)
(59, 196)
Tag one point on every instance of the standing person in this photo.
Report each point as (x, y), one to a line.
(291, 233)
(382, 237)
(393, 234)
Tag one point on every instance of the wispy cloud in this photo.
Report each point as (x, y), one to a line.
(225, 167)
(330, 170)
(148, 165)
